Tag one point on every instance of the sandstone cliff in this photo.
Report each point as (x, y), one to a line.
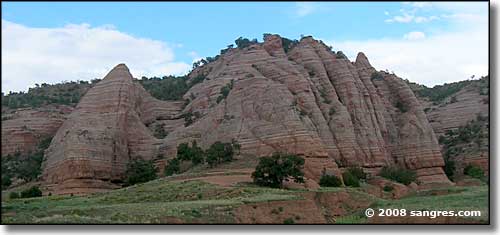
(457, 111)
(22, 129)
(308, 100)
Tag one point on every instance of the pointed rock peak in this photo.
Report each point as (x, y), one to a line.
(120, 71)
(273, 44)
(362, 60)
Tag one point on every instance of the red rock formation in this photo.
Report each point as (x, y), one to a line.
(308, 101)
(458, 110)
(314, 103)
(24, 128)
(104, 132)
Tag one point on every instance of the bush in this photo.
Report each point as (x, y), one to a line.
(330, 181)
(388, 188)
(188, 119)
(377, 76)
(401, 107)
(31, 192)
(289, 221)
(350, 179)
(340, 55)
(288, 44)
(449, 168)
(24, 166)
(159, 131)
(14, 195)
(244, 42)
(474, 171)
(358, 172)
(172, 167)
(140, 171)
(170, 87)
(219, 152)
(272, 171)
(193, 154)
(6, 181)
(332, 111)
(224, 91)
(397, 174)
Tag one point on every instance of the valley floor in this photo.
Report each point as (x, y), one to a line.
(209, 199)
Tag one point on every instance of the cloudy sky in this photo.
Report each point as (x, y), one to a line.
(428, 43)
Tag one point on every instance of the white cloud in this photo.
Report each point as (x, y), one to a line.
(195, 56)
(434, 58)
(424, 19)
(78, 52)
(420, 4)
(415, 35)
(405, 18)
(411, 17)
(431, 60)
(304, 8)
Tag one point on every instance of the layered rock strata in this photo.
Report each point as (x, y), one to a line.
(23, 129)
(309, 101)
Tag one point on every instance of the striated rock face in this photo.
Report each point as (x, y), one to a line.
(458, 110)
(24, 128)
(308, 101)
(468, 103)
(103, 133)
(314, 103)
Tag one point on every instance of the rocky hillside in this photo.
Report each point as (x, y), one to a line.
(308, 100)
(29, 117)
(459, 114)
(279, 95)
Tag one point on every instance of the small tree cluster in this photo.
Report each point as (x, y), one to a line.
(216, 154)
(272, 171)
(397, 174)
(350, 179)
(193, 153)
(170, 87)
(140, 171)
(190, 117)
(401, 107)
(327, 180)
(159, 131)
(464, 140)
(224, 91)
(244, 42)
(474, 171)
(377, 76)
(26, 167)
(34, 191)
(340, 55)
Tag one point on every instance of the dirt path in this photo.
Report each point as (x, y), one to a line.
(224, 178)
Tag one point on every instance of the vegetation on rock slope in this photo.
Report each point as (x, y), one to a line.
(439, 93)
(66, 93)
(25, 167)
(468, 139)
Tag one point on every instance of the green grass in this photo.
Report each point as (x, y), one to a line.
(152, 202)
(161, 200)
(457, 199)
(351, 219)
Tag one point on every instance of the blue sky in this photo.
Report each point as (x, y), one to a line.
(174, 34)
